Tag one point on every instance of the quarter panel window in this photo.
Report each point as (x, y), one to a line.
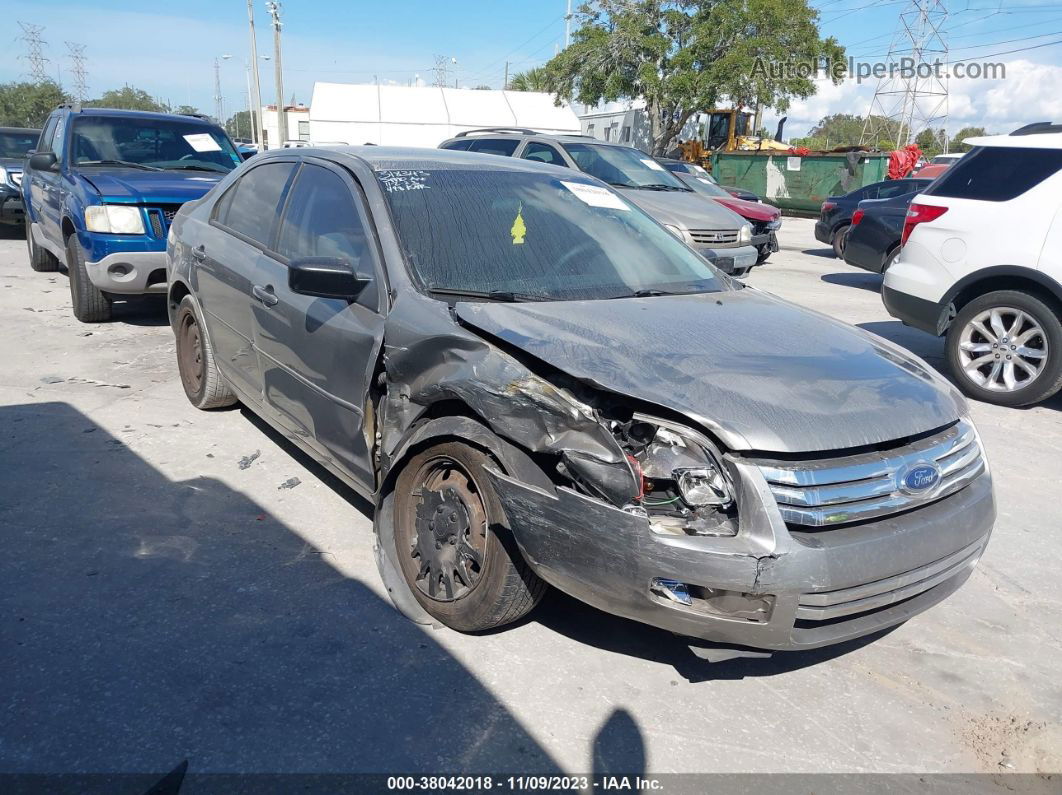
(996, 173)
(255, 200)
(495, 146)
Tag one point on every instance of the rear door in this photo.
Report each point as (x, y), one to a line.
(318, 354)
(226, 260)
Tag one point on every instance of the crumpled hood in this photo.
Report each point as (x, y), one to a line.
(753, 211)
(134, 186)
(761, 373)
(689, 210)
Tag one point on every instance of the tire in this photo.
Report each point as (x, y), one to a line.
(985, 330)
(839, 238)
(91, 305)
(764, 253)
(453, 548)
(202, 381)
(41, 260)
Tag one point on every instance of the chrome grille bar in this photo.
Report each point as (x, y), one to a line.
(867, 485)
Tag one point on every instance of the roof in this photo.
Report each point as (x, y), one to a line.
(1037, 141)
(399, 158)
(573, 138)
(143, 114)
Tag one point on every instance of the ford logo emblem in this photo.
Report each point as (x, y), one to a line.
(920, 478)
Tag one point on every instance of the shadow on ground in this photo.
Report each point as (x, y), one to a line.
(862, 280)
(826, 253)
(144, 622)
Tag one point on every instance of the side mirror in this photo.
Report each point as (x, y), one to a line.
(43, 161)
(325, 277)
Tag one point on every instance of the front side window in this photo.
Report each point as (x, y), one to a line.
(535, 235)
(45, 143)
(543, 153)
(255, 201)
(152, 144)
(623, 167)
(321, 219)
(495, 146)
(17, 144)
(996, 173)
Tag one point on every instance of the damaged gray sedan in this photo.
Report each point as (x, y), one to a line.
(535, 383)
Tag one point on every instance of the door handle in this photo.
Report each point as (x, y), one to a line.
(199, 253)
(265, 295)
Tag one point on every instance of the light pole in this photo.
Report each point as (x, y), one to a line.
(254, 95)
(253, 112)
(219, 101)
(273, 7)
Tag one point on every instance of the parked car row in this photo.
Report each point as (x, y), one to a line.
(972, 256)
(537, 384)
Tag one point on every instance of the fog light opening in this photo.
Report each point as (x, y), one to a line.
(717, 602)
(672, 590)
(119, 269)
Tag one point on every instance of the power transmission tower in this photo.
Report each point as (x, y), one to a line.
(77, 57)
(38, 64)
(442, 66)
(912, 95)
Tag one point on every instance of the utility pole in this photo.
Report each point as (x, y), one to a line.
(31, 34)
(906, 103)
(254, 92)
(219, 102)
(568, 26)
(505, 85)
(77, 56)
(273, 7)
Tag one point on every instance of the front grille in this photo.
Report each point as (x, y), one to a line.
(856, 488)
(859, 600)
(760, 227)
(716, 237)
(161, 217)
(170, 212)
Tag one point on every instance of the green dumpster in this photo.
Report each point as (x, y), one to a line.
(799, 183)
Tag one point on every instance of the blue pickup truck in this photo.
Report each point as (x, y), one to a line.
(101, 189)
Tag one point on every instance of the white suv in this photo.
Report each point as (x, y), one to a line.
(982, 263)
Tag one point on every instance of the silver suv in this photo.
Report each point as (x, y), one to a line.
(719, 234)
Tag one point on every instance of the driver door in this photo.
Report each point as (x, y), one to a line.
(317, 355)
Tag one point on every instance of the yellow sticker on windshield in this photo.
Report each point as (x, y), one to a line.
(519, 231)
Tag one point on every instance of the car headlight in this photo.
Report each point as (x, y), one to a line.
(745, 234)
(675, 231)
(3, 174)
(114, 219)
(775, 224)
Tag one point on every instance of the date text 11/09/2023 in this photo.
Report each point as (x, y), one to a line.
(524, 783)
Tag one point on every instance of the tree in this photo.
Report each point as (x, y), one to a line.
(931, 141)
(128, 98)
(239, 124)
(956, 144)
(685, 56)
(28, 104)
(187, 110)
(537, 79)
(845, 129)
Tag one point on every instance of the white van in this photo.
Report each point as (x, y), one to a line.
(982, 264)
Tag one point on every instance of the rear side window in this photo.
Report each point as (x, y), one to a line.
(996, 173)
(461, 144)
(495, 146)
(322, 220)
(250, 206)
(543, 153)
(897, 188)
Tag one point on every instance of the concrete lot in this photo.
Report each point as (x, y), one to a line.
(167, 593)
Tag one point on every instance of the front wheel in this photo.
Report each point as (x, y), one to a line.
(448, 537)
(91, 305)
(764, 253)
(1005, 348)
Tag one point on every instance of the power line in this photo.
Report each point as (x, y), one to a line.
(38, 64)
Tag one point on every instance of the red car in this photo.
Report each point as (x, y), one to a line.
(764, 218)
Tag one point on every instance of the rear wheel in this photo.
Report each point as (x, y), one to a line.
(447, 518)
(839, 239)
(91, 305)
(41, 260)
(200, 377)
(1005, 348)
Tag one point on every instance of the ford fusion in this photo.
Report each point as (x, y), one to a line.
(538, 385)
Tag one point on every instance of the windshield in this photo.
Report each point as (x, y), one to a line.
(705, 186)
(623, 166)
(512, 235)
(152, 143)
(17, 144)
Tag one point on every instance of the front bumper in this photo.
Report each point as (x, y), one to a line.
(129, 273)
(731, 260)
(11, 209)
(824, 587)
(768, 239)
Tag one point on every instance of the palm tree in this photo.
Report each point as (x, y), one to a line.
(537, 79)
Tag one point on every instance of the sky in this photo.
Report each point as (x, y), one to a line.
(171, 54)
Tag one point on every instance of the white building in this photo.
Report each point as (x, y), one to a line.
(627, 123)
(296, 119)
(426, 115)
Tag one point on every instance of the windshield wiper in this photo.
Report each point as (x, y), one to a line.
(661, 186)
(650, 292)
(505, 296)
(126, 163)
(212, 169)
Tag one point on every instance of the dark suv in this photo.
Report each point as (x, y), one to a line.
(719, 234)
(15, 145)
(101, 189)
(835, 217)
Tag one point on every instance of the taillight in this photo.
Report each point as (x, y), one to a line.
(857, 216)
(827, 206)
(919, 214)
